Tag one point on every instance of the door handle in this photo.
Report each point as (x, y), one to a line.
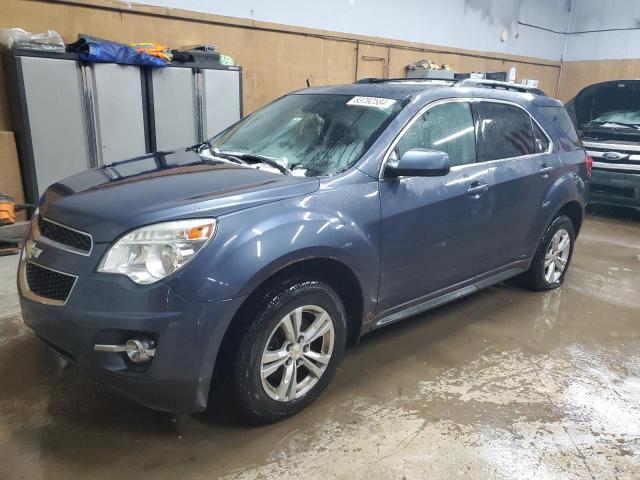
(477, 188)
(545, 170)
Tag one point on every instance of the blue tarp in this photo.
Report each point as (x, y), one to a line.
(92, 49)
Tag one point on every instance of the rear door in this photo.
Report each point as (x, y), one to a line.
(434, 230)
(516, 153)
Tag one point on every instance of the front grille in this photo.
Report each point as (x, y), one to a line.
(64, 235)
(612, 147)
(616, 167)
(628, 160)
(48, 283)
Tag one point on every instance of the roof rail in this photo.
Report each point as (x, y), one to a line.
(469, 82)
(436, 81)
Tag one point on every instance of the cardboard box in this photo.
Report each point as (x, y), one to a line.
(10, 179)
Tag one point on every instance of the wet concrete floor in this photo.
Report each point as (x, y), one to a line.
(503, 384)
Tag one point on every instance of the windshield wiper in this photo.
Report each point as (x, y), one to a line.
(242, 156)
(226, 156)
(199, 146)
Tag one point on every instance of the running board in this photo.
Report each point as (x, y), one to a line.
(448, 297)
(428, 305)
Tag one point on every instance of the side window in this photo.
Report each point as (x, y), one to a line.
(504, 131)
(447, 127)
(541, 140)
(560, 117)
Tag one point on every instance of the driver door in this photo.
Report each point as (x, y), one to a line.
(435, 230)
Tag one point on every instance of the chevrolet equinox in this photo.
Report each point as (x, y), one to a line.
(245, 264)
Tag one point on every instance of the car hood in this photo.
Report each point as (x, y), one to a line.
(599, 98)
(108, 201)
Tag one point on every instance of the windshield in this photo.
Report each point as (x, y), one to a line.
(618, 119)
(311, 135)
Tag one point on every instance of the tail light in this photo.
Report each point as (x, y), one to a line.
(589, 162)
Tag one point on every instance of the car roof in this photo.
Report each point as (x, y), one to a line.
(403, 89)
(394, 90)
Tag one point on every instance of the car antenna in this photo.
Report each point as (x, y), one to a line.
(308, 83)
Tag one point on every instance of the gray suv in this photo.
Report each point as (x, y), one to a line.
(246, 264)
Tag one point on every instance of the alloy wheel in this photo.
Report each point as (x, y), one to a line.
(297, 353)
(557, 257)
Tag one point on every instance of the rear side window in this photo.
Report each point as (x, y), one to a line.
(541, 140)
(447, 127)
(560, 117)
(504, 131)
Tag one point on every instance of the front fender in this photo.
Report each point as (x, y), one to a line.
(339, 222)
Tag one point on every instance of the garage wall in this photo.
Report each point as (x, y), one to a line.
(276, 58)
(603, 44)
(577, 75)
(471, 24)
(604, 30)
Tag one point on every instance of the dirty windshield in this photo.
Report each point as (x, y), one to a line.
(311, 134)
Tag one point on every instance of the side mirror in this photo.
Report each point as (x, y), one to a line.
(419, 162)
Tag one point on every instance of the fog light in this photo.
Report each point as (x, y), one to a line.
(139, 351)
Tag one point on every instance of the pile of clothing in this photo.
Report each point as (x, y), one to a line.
(93, 49)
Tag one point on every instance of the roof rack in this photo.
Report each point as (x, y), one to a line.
(469, 82)
(437, 81)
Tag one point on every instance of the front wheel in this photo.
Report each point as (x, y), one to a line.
(552, 259)
(290, 352)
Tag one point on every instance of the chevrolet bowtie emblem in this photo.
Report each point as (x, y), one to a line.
(32, 250)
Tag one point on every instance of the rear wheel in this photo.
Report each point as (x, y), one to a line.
(290, 351)
(551, 261)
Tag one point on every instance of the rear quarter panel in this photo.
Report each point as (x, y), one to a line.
(570, 179)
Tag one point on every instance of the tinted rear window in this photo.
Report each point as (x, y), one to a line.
(504, 131)
(560, 117)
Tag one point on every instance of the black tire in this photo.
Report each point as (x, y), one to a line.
(252, 400)
(534, 278)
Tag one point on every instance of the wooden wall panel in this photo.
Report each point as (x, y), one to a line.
(577, 75)
(372, 61)
(275, 64)
(276, 58)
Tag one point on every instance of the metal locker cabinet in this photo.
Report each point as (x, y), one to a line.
(119, 109)
(174, 108)
(221, 100)
(55, 115)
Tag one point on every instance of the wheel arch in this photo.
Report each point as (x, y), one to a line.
(331, 271)
(574, 211)
(564, 197)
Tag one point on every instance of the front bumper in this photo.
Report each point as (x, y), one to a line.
(613, 188)
(108, 309)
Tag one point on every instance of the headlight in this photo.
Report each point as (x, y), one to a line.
(150, 253)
